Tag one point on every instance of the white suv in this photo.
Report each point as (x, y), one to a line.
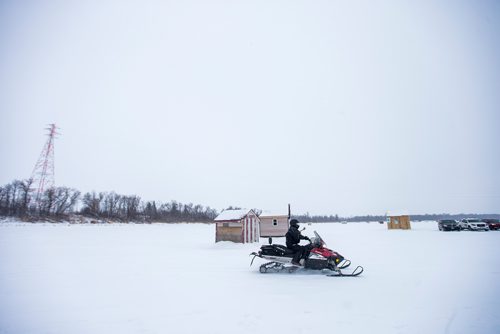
(473, 224)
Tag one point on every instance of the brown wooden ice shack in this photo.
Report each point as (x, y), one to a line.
(401, 222)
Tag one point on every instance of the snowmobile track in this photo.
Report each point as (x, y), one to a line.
(276, 267)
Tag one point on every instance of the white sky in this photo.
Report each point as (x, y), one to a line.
(348, 107)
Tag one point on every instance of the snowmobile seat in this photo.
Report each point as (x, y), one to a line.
(276, 250)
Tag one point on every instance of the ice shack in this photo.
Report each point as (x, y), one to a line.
(273, 224)
(240, 225)
(398, 221)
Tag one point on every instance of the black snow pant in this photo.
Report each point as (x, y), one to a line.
(299, 252)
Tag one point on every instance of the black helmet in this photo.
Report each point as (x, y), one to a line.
(294, 223)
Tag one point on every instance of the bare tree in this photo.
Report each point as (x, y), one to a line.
(25, 193)
(110, 205)
(92, 203)
(65, 200)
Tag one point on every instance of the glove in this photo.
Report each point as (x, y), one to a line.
(307, 238)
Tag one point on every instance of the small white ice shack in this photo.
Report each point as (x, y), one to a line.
(273, 224)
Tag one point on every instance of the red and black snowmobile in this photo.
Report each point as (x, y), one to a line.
(317, 257)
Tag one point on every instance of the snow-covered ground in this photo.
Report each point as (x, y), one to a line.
(173, 278)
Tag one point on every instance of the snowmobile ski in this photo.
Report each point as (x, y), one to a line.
(344, 264)
(356, 272)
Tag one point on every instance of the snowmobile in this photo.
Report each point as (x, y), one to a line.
(317, 257)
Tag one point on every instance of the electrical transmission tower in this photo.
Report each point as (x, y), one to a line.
(43, 173)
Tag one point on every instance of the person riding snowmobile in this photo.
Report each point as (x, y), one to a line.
(293, 237)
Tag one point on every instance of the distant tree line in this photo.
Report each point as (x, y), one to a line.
(336, 218)
(317, 218)
(456, 217)
(114, 206)
(16, 199)
(370, 218)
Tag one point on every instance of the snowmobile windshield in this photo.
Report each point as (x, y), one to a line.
(322, 243)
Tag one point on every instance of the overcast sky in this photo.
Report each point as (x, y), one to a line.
(347, 107)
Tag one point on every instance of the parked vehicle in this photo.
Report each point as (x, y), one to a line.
(493, 224)
(448, 225)
(474, 224)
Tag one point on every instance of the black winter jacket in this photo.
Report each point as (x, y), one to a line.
(293, 237)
